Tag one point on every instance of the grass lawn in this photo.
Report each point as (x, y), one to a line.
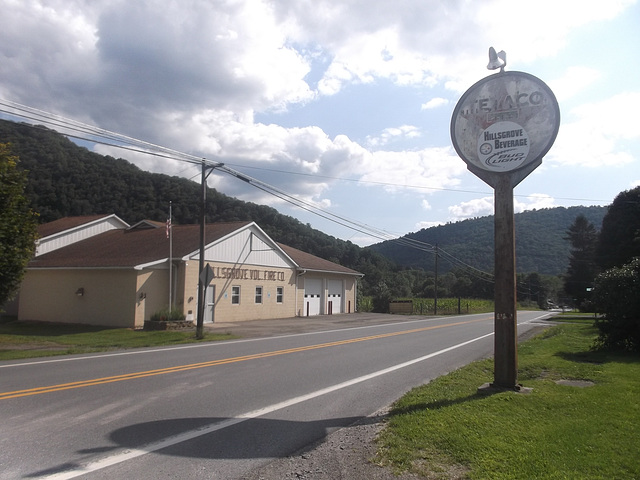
(31, 339)
(445, 429)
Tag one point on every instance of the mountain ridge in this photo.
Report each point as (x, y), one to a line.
(540, 243)
(65, 179)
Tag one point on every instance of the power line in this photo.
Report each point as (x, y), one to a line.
(82, 131)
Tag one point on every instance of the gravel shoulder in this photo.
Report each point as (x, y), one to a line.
(348, 453)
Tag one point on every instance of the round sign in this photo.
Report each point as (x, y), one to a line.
(505, 122)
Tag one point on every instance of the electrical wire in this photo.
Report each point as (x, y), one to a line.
(89, 133)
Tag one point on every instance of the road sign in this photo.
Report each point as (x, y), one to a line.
(206, 275)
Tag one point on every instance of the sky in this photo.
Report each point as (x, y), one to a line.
(345, 104)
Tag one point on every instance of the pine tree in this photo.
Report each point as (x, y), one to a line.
(582, 269)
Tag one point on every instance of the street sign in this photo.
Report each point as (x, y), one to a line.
(206, 275)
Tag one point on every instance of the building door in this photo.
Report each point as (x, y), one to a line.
(312, 294)
(334, 296)
(209, 303)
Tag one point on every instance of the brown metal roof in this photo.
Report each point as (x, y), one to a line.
(128, 248)
(140, 245)
(66, 223)
(311, 262)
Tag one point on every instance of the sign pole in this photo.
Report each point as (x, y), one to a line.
(505, 316)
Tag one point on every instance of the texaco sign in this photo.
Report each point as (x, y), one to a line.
(505, 123)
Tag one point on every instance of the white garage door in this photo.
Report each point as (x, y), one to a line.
(334, 302)
(312, 296)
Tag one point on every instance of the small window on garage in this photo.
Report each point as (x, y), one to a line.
(279, 294)
(235, 295)
(258, 294)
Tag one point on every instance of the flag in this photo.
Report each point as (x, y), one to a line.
(168, 226)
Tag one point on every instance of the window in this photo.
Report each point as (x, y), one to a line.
(279, 294)
(235, 295)
(258, 294)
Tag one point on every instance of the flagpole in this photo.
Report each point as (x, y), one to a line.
(170, 234)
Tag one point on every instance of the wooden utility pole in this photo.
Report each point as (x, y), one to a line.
(201, 283)
(435, 285)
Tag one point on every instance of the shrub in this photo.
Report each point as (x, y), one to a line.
(166, 315)
(617, 296)
(381, 298)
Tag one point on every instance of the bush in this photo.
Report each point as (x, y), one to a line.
(166, 315)
(381, 298)
(617, 296)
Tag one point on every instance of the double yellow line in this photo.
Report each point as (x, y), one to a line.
(213, 363)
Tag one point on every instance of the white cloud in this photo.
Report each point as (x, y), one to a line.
(434, 103)
(595, 134)
(478, 207)
(201, 77)
(427, 170)
(421, 225)
(535, 201)
(575, 80)
(484, 206)
(393, 134)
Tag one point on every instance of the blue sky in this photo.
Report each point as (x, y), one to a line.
(345, 104)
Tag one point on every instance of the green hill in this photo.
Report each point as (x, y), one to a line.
(65, 179)
(540, 244)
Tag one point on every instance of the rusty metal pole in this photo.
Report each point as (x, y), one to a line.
(505, 320)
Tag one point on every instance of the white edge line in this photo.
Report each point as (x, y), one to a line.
(207, 429)
(141, 351)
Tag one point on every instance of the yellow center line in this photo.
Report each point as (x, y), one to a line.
(213, 363)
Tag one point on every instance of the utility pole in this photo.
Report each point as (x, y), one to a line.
(435, 286)
(170, 235)
(201, 281)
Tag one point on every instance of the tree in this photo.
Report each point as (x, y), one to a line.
(582, 265)
(18, 225)
(619, 238)
(617, 295)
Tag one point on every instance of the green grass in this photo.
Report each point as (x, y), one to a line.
(575, 317)
(446, 306)
(31, 339)
(445, 429)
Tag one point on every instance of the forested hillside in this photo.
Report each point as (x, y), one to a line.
(540, 243)
(66, 180)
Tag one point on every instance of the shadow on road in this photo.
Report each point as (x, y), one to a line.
(253, 438)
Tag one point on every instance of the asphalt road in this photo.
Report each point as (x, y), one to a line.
(222, 410)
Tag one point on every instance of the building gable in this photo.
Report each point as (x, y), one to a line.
(69, 230)
(246, 245)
